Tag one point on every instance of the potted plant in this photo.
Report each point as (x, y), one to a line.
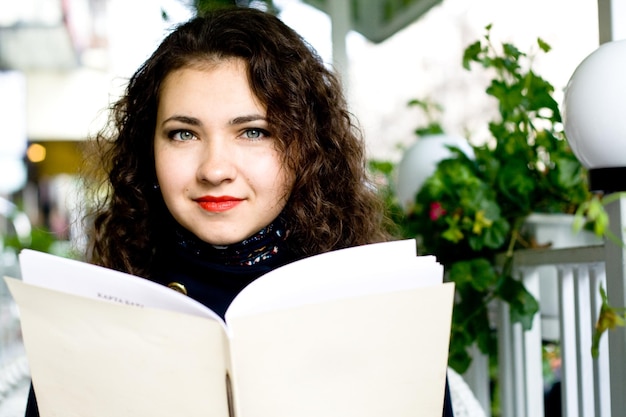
(471, 210)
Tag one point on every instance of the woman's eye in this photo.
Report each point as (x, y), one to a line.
(255, 133)
(181, 135)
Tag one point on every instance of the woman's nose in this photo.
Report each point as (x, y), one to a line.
(217, 163)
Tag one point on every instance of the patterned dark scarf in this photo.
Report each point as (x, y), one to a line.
(259, 248)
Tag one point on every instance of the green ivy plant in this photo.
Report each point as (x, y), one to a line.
(200, 7)
(203, 6)
(471, 210)
(432, 110)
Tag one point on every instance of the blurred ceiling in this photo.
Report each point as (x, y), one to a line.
(48, 34)
(377, 20)
(28, 47)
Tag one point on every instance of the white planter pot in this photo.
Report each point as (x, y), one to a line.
(557, 230)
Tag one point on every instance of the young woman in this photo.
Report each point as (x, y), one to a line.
(231, 153)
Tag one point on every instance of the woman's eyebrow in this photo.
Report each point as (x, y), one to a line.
(183, 119)
(247, 119)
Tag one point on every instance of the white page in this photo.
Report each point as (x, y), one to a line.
(350, 272)
(371, 356)
(93, 358)
(87, 280)
(347, 272)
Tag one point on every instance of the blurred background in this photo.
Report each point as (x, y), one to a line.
(62, 62)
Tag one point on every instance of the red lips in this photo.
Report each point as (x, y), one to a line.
(218, 204)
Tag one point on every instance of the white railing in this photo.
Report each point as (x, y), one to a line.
(590, 387)
(585, 381)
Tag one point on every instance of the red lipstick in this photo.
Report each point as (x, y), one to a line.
(218, 204)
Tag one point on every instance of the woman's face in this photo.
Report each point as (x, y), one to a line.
(217, 165)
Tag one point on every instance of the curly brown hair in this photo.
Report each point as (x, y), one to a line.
(332, 204)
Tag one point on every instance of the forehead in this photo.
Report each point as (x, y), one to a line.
(235, 67)
(221, 83)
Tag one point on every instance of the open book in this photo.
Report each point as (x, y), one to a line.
(360, 332)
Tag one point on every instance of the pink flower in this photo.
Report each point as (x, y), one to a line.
(436, 211)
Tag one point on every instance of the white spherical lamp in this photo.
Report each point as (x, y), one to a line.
(594, 116)
(420, 161)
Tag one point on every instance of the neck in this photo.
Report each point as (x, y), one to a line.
(259, 248)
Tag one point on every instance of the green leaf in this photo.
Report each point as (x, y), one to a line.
(496, 236)
(431, 129)
(508, 95)
(478, 273)
(458, 357)
(608, 319)
(453, 234)
(472, 53)
(570, 172)
(511, 58)
(516, 183)
(523, 306)
(543, 45)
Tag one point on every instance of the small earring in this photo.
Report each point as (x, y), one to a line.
(155, 186)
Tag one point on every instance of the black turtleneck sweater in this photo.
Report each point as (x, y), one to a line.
(214, 275)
